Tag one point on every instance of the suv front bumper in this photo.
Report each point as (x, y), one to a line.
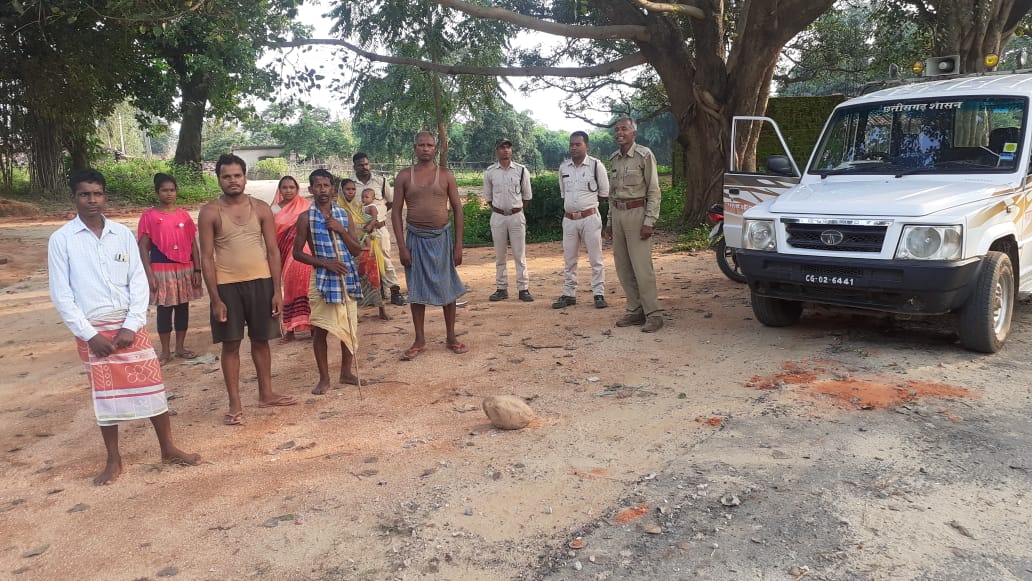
(897, 286)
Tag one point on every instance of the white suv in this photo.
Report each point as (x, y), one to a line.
(916, 200)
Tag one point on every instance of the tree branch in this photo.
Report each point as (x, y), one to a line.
(614, 32)
(599, 70)
(690, 11)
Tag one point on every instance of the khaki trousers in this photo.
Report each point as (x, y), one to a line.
(633, 259)
(511, 231)
(588, 230)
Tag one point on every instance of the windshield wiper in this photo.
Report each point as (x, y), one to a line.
(862, 168)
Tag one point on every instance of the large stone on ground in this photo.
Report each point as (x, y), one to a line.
(507, 412)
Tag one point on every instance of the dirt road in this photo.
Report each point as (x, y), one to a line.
(842, 448)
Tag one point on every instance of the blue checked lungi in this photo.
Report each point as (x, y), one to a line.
(432, 279)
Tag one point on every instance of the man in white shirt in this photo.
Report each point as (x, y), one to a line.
(507, 191)
(100, 289)
(583, 183)
(383, 197)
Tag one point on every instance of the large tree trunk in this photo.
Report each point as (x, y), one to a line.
(974, 28)
(79, 151)
(46, 162)
(707, 87)
(195, 103)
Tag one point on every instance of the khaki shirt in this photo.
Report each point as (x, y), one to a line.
(582, 185)
(635, 176)
(384, 194)
(506, 189)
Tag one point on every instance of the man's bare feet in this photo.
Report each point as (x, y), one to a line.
(180, 458)
(348, 378)
(111, 473)
(164, 358)
(383, 314)
(321, 388)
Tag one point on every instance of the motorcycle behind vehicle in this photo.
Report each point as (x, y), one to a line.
(727, 258)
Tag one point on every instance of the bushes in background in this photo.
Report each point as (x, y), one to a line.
(132, 182)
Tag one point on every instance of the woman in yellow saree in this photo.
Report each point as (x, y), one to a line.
(370, 262)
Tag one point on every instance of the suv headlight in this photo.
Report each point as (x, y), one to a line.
(930, 243)
(759, 235)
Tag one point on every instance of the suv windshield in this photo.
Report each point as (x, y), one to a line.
(947, 135)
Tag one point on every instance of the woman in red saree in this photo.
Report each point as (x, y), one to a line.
(287, 204)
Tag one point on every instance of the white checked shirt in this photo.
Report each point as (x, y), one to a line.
(94, 278)
(582, 185)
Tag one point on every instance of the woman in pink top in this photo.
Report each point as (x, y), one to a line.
(287, 205)
(171, 258)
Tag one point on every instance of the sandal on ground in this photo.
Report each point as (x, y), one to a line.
(163, 359)
(458, 348)
(411, 353)
(186, 354)
(233, 419)
(281, 401)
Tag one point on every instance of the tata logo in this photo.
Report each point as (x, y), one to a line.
(831, 237)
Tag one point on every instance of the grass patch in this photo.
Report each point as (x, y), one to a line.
(132, 182)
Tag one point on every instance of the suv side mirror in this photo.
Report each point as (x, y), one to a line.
(780, 165)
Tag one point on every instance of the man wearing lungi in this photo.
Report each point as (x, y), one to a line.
(428, 254)
(333, 241)
(100, 289)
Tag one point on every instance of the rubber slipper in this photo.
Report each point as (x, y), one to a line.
(281, 402)
(186, 354)
(233, 419)
(163, 359)
(411, 353)
(458, 348)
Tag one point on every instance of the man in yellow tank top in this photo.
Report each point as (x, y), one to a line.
(241, 265)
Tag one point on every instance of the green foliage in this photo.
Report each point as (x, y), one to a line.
(672, 205)
(801, 120)
(315, 135)
(204, 63)
(853, 44)
(402, 100)
(469, 179)
(495, 123)
(692, 239)
(271, 168)
(132, 182)
(476, 217)
(220, 137)
(545, 211)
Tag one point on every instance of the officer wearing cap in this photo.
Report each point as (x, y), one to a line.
(507, 192)
(634, 199)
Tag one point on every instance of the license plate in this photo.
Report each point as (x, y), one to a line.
(827, 279)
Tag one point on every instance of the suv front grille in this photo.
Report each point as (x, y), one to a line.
(854, 238)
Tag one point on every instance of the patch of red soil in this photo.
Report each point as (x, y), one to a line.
(710, 421)
(793, 374)
(16, 208)
(877, 395)
(631, 514)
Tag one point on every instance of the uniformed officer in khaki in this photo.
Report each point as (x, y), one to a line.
(507, 192)
(634, 199)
